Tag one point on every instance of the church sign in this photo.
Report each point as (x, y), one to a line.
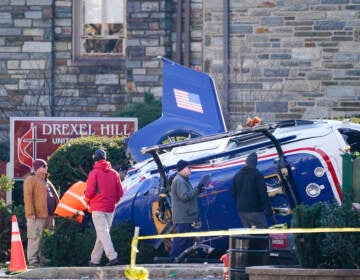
(39, 137)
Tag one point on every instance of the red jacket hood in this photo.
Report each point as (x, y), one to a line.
(103, 164)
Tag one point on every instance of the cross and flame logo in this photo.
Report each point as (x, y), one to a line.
(27, 146)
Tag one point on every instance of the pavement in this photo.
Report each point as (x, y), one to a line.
(196, 271)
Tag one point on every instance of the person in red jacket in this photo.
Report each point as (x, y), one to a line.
(103, 190)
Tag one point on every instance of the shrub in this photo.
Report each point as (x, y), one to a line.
(327, 250)
(6, 184)
(5, 231)
(307, 246)
(6, 212)
(146, 111)
(72, 161)
(340, 250)
(71, 243)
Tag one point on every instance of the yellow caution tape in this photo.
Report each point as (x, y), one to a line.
(246, 231)
(134, 251)
(140, 273)
(136, 273)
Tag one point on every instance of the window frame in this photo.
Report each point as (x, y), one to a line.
(77, 21)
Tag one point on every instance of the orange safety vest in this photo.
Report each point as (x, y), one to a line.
(73, 202)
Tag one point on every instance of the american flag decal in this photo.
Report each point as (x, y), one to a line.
(188, 101)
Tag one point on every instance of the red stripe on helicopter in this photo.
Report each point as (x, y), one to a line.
(320, 152)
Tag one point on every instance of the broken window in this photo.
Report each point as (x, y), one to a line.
(99, 27)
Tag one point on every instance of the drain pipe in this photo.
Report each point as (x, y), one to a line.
(52, 59)
(178, 31)
(187, 33)
(226, 66)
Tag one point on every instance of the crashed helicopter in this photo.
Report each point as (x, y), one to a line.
(301, 160)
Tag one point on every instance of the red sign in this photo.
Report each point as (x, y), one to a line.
(32, 138)
(278, 240)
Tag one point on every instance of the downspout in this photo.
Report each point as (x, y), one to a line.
(178, 31)
(226, 67)
(52, 63)
(187, 33)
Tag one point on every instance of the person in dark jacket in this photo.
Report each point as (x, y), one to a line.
(103, 190)
(249, 192)
(184, 207)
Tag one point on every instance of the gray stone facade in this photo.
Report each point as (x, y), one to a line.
(287, 59)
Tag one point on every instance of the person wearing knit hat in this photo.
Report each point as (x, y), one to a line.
(103, 191)
(251, 160)
(184, 206)
(38, 163)
(250, 194)
(181, 164)
(40, 201)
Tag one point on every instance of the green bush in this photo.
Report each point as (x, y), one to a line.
(308, 245)
(6, 184)
(340, 250)
(5, 231)
(327, 250)
(71, 243)
(146, 111)
(6, 212)
(72, 161)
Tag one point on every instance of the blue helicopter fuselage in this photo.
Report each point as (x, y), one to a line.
(301, 160)
(303, 166)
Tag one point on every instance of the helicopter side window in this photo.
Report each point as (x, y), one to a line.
(352, 138)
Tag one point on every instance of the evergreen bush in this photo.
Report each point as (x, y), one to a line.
(307, 246)
(5, 231)
(146, 111)
(327, 250)
(6, 212)
(340, 250)
(71, 243)
(73, 161)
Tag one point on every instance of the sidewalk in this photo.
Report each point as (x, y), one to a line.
(156, 272)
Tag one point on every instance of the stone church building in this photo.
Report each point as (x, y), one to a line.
(277, 59)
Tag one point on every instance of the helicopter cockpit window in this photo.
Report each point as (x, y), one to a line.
(352, 138)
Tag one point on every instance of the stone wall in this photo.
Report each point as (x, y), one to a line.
(40, 77)
(288, 59)
(100, 87)
(25, 59)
